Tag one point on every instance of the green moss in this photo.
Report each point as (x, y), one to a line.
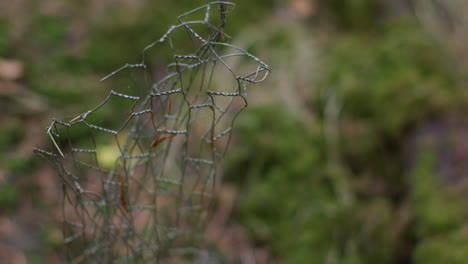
(35, 258)
(440, 210)
(5, 41)
(450, 248)
(389, 82)
(438, 207)
(298, 203)
(247, 13)
(386, 84)
(8, 196)
(50, 31)
(310, 209)
(22, 164)
(360, 15)
(9, 135)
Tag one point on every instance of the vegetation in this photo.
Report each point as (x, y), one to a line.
(358, 182)
(356, 202)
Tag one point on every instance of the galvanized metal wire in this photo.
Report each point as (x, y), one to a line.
(151, 204)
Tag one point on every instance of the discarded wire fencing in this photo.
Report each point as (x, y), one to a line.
(146, 200)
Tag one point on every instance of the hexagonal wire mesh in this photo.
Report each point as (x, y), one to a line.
(150, 203)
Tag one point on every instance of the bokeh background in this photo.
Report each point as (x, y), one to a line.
(355, 149)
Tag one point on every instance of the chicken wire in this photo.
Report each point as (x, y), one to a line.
(150, 204)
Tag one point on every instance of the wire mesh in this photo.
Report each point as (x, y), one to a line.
(150, 203)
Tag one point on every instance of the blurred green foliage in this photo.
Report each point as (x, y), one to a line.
(390, 81)
(49, 32)
(298, 203)
(447, 248)
(22, 164)
(5, 41)
(359, 15)
(439, 208)
(9, 196)
(305, 207)
(311, 209)
(10, 134)
(440, 214)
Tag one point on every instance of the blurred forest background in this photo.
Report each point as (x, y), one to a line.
(355, 150)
